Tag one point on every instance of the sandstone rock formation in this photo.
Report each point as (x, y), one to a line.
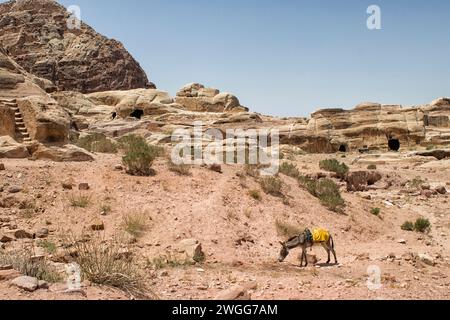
(369, 124)
(16, 82)
(195, 97)
(37, 35)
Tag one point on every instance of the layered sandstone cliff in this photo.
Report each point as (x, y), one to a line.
(38, 35)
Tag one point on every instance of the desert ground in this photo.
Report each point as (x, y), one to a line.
(237, 233)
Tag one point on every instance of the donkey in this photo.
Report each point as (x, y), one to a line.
(305, 241)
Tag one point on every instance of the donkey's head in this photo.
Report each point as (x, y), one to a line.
(283, 252)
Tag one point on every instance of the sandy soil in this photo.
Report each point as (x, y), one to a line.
(238, 233)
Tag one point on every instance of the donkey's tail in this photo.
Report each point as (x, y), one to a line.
(332, 242)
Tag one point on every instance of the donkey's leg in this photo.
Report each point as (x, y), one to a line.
(301, 258)
(332, 250)
(306, 258)
(334, 254)
(327, 249)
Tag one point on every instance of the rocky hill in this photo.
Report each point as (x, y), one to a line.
(37, 36)
(76, 112)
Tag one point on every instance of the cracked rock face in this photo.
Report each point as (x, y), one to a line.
(37, 36)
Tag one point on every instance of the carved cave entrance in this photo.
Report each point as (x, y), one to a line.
(394, 144)
(137, 114)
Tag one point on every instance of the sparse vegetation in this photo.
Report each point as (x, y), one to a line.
(169, 261)
(289, 170)
(326, 190)
(180, 169)
(255, 194)
(286, 229)
(135, 224)
(422, 225)
(139, 155)
(271, 185)
(99, 263)
(408, 226)
(28, 209)
(251, 170)
(372, 167)
(49, 246)
(332, 165)
(431, 147)
(22, 261)
(416, 182)
(375, 211)
(79, 200)
(97, 142)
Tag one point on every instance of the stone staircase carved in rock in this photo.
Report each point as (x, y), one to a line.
(21, 130)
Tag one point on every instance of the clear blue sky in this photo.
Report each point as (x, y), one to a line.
(286, 57)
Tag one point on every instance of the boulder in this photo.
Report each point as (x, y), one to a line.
(22, 234)
(441, 189)
(26, 283)
(9, 148)
(4, 238)
(97, 225)
(360, 180)
(67, 153)
(84, 186)
(192, 249)
(427, 259)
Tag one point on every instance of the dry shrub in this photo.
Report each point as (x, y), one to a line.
(271, 185)
(135, 224)
(100, 263)
(79, 200)
(180, 169)
(286, 229)
(22, 261)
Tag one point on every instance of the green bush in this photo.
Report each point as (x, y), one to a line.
(326, 190)
(139, 155)
(422, 225)
(271, 185)
(289, 170)
(408, 226)
(332, 165)
(375, 211)
(255, 194)
(97, 142)
(329, 195)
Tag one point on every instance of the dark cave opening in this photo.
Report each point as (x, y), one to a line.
(343, 148)
(394, 144)
(137, 114)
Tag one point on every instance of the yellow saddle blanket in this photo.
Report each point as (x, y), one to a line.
(321, 235)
